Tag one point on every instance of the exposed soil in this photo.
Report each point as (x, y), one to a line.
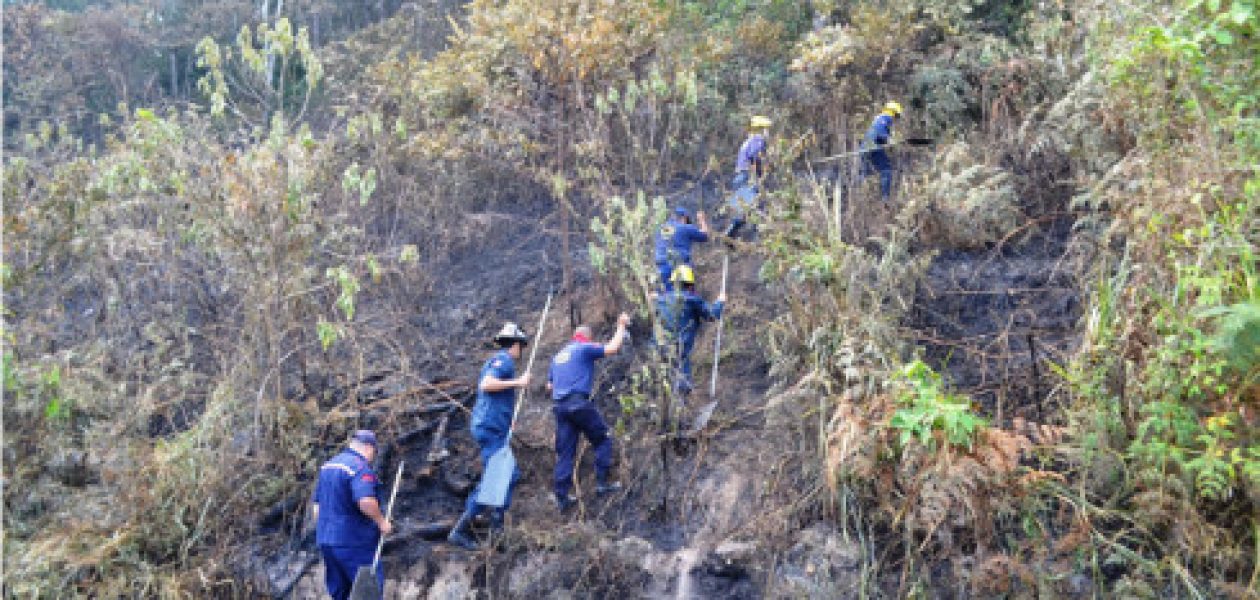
(700, 517)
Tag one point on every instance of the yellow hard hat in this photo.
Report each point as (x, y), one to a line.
(683, 274)
(760, 122)
(893, 108)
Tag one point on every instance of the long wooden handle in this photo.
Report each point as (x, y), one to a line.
(717, 342)
(529, 366)
(389, 512)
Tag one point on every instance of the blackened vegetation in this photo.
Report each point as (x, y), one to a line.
(990, 316)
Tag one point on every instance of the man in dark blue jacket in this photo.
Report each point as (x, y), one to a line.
(673, 242)
(491, 421)
(570, 380)
(682, 312)
(875, 158)
(348, 517)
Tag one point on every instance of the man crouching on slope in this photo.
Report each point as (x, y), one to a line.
(570, 381)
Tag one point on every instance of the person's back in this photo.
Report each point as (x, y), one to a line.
(677, 310)
(572, 369)
(340, 522)
(750, 168)
(879, 132)
(674, 240)
(749, 158)
(571, 379)
(875, 157)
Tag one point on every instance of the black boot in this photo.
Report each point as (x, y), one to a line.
(565, 502)
(461, 534)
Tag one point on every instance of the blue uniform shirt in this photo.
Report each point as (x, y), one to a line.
(676, 238)
(880, 131)
(492, 413)
(750, 153)
(573, 369)
(343, 481)
(682, 313)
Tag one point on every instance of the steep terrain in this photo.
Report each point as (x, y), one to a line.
(709, 516)
(236, 231)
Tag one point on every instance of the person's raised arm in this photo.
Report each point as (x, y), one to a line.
(614, 345)
(702, 223)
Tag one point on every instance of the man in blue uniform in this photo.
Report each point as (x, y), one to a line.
(673, 242)
(348, 517)
(682, 311)
(750, 168)
(570, 380)
(491, 421)
(875, 158)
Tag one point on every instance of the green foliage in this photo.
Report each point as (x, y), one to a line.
(275, 67)
(623, 242)
(1169, 353)
(328, 334)
(8, 369)
(362, 184)
(927, 410)
(347, 288)
(1237, 339)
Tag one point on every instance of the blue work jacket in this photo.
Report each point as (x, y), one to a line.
(879, 133)
(673, 242)
(682, 312)
(343, 481)
(573, 369)
(492, 414)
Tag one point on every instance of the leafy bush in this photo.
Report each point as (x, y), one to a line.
(928, 412)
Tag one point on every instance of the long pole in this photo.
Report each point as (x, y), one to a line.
(529, 366)
(389, 513)
(717, 342)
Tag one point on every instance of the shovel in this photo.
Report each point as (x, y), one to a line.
(706, 411)
(914, 141)
(498, 474)
(366, 587)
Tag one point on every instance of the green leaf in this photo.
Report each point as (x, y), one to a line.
(1241, 12)
(409, 253)
(1223, 37)
(327, 333)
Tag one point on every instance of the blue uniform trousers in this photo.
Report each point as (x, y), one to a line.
(680, 347)
(877, 160)
(489, 445)
(743, 200)
(576, 415)
(341, 563)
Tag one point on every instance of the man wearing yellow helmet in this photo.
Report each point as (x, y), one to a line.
(875, 157)
(682, 311)
(750, 168)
